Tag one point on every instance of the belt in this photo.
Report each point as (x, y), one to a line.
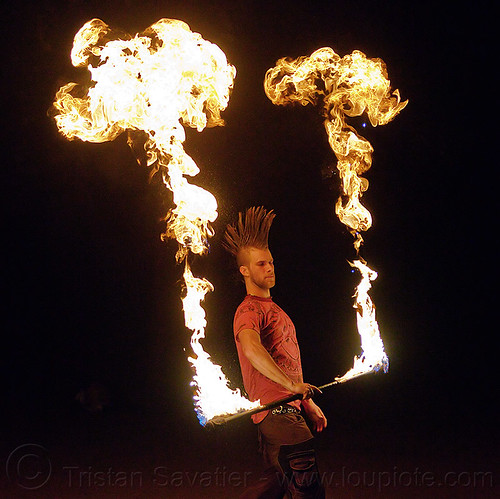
(285, 409)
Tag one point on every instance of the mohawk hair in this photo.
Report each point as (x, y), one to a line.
(250, 231)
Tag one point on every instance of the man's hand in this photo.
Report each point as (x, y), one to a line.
(306, 389)
(315, 415)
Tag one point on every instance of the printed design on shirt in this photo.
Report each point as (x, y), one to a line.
(279, 340)
(249, 316)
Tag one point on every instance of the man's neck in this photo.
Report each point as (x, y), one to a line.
(256, 291)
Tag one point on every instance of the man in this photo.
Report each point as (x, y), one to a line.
(271, 367)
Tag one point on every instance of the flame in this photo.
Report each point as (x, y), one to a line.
(157, 83)
(373, 357)
(345, 86)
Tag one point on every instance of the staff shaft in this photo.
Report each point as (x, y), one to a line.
(223, 419)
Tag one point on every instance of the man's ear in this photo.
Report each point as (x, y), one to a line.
(244, 271)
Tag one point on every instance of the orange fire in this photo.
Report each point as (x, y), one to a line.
(345, 86)
(157, 83)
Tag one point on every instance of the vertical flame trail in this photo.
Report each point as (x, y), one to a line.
(345, 86)
(155, 83)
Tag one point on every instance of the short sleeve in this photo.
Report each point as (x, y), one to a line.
(248, 316)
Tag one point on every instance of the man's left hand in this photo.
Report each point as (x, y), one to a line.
(315, 415)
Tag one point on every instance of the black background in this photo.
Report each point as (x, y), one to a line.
(91, 294)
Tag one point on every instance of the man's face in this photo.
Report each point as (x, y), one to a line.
(258, 268)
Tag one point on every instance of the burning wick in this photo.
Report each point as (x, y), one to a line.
(345, 86)
(157, 83)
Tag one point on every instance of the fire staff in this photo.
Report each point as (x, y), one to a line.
(271, 367)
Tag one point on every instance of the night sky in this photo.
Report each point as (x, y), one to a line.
(91, 293)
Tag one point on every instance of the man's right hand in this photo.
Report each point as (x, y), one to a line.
(305, 389)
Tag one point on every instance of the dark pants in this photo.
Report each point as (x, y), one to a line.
(287, 448)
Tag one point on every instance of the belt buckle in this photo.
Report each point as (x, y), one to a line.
(283, 409)
(277, 410)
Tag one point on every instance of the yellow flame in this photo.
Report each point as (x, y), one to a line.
(156, 83)
(345, 86)
(373, 357)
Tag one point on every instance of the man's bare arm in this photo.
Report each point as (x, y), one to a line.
(260, 358)
(315, 415)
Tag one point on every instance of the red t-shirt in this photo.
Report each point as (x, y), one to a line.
(277, 334)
